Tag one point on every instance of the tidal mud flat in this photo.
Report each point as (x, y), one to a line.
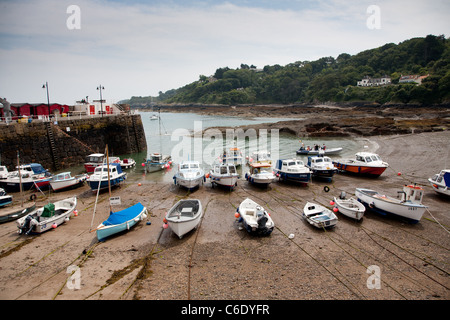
(219, 261)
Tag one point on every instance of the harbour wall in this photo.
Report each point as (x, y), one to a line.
(65, 143)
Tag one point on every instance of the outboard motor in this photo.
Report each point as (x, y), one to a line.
(261, 218)
(342, 195)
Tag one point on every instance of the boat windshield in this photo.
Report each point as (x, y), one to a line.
(194, 166)
(223, 170)
(376, 158)
(300, 163)
(368, 159)
(319, 160)
(232, 169)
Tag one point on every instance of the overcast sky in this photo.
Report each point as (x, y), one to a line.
(138, 48)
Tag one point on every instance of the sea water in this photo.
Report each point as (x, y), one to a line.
(190, 136)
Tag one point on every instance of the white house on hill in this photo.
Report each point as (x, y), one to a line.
(374, 82)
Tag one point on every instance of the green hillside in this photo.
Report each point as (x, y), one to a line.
(328, 79)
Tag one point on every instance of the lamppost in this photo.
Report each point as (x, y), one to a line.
(45, 86)
(101, 98)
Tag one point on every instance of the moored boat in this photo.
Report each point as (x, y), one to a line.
(292, 170)
(349, 207)
(223, 174)
(441, 182)
(260, 157)
(99, 179)
(47, 217)
(120, 221)
(184, 216)
(233, 155)
(255, 219)
(260, 174)
(5, 198)
(157, 162)
(190, 175)
(319, 216)
(11, 214)
(321, 167)
(65, 180)
(365, 163)
(317, 151)
(3, 172)
(409, 206)
(92, 161)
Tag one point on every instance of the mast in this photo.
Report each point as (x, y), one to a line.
(20, 176)
(109, 180)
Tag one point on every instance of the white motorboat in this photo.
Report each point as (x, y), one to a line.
(317, 151)
(47, 217)
(127, 163)
(5, 198)
(254, 218)
(100, 176)
(321, 167)
(260, 174)
(319, 216)
(441, 182)
(3, 172)
(184, 216)
(292, 170)
(365, 163)
(223, 174)
(349, 207)
(65, 180)
(233, 155)
(189, 175)
(409, 206)
(260, 157)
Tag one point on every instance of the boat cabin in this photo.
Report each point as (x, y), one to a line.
(319, 161)
(443, 178)
(261, 156)
(3, 172)
(289, 165)
(224, 169)
(412, 194)
(156, 157)
(94, 158)
(367, 157)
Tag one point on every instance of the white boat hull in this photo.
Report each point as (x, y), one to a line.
(182, 223)
(63, 210)
(387, 205)
(351, 208)
(69, 183)
(226, 181)
(319, 216)
(254, 218)
(189, 183)
(439, 187)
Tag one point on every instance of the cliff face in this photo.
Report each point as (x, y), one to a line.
(58, 146)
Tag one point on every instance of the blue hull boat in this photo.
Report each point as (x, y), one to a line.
(121, 220)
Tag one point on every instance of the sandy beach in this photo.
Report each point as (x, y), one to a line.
(220, 261)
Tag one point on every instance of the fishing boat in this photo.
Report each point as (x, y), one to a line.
(99, 179)
(233, 155)
(260, 157)
(157, 162)
(92, 161)
(223, 174)
(349, 207)
(441, 182)
(408, 206)
(65, 180)
(3, 172)
(190, 175)
(254, 218)
(317, 150)
(11, 214)
(47, 217)
(121, 220)
(365, 163)
(15, 181)
(260, 174)
(319, 216)
(184, 216)
(5, 198)
(321, 167)
(127, 163)
(153, 117)
(292, 170)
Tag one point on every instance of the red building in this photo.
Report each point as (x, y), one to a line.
(35, 110)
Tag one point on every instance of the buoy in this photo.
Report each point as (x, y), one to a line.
(143, 164)
(75, 213)
(165, 225)
(164, 220)
(54, 226)
(399, 174)
(237, 215)
(291, 236)
(170, 162)
(335, 209)
(139, 184)
(332, 203)
(149, 223)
